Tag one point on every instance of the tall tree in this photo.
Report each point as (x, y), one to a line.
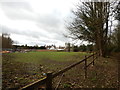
(118, 27)
(116, 33)
(91, 24)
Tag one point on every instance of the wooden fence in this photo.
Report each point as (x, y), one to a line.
(47, 81)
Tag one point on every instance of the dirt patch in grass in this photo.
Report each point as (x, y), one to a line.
(17, 74)
(104, 74)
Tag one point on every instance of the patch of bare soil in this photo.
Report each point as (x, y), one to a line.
(104, 74)
(17, 74)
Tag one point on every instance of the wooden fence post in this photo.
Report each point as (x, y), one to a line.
(93, 59)
(97, 55)
(85, 67)
(49, 81)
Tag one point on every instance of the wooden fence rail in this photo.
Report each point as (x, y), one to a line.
(49, 77)
(35, 85)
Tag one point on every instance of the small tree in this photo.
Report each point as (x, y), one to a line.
(6, 41)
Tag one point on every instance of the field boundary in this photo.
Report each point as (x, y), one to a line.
(47, 81)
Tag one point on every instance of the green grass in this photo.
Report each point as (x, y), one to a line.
(26, 68)
(32, 65)
(37, 57)
(47, 61)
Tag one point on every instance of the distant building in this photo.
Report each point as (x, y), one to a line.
(51, 47)
(61, 48)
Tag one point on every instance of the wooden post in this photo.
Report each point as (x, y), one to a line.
(85, 67)
(93, 58)
(97, 55)
(49, 81)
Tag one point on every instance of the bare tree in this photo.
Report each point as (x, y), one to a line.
(91, 24)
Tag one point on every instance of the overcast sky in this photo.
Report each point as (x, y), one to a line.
(32, 22)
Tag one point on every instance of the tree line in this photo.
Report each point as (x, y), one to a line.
(7, 43)
(28, 47)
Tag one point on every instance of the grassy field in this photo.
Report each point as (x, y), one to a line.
(20, 69)
(37, 57)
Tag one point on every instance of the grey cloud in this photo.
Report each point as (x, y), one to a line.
(34, 34)
(56, 31)
(60, 37)
(49, 20)
(23, 11)
(14, 10)
(45, 41)
(17, 10)
(16, 5)
(52, 23)
(38, 37)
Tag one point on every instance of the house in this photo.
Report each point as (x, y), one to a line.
(51, 47)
